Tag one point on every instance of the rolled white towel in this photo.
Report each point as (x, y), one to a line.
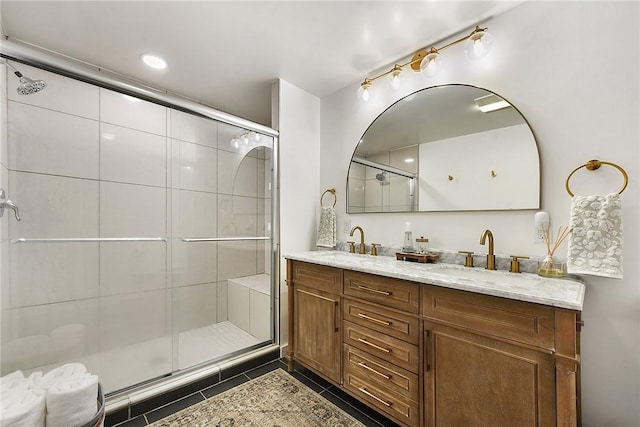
(13, 381)
(70, 370)
(23, 408)
(73, 401)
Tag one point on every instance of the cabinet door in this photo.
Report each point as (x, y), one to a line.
(471, 380)
(317, 331)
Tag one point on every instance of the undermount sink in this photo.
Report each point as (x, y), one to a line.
(478, 274)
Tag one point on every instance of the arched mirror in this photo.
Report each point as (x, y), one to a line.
(446, 148)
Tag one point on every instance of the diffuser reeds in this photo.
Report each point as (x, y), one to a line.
(549, 266)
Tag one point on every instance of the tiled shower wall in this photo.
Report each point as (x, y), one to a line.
(85, 162)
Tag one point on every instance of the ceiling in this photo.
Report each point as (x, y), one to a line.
(226, 54)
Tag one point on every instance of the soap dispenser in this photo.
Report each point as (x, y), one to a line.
(408, 239)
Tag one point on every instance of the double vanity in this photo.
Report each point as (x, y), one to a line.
(438, 344)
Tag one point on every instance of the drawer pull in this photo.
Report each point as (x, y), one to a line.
(384, 402)
(373, 319)
(365, 366)
(377, 347)
(374, 291)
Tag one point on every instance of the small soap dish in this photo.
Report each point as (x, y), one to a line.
(414, 257)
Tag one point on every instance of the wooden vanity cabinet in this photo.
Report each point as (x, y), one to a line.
(432, 356)
(315, 319)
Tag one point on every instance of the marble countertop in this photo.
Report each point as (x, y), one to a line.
(564, 293)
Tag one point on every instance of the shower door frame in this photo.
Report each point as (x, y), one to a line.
(61, 65)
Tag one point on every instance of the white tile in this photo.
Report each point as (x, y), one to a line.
(222, 311)
(62, 94)
(52, 206)
(260, 315)
(190, 128)
(131, 318)
(236, 259)
(197, 306)
(132, 267)
(197, 168)
(194, 263)
(237, 216)
(47, 141)
(132, 210)
(4, 160)
(53, 272)
(134, 113)
(128, 155)
(70, 329)
(237, 175)
(197, 214)
(238, 305)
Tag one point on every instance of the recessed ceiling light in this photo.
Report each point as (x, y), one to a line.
(409, 160)
(490, 103)
(153, 61)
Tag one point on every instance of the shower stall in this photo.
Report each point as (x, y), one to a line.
(147, 238)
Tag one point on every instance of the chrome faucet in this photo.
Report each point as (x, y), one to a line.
(8, 204)
(491, 258)
(362, 246)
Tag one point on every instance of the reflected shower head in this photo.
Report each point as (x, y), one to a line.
(27, 86)
(381, 176)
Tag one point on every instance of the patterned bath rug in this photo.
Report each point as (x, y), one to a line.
(275, 399)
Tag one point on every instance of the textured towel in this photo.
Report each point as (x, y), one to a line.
(12, 382)
(327, 228)
(43, 382)
(22, 408)
(595, 245)
(72, 401)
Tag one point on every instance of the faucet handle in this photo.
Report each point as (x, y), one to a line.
(352, 247)
(515, 264)
(468, 259)
(374, 248)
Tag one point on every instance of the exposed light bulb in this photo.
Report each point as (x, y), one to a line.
(364, 92)
(245, 138)
(394, 77)
(478, 44)
(235, 143)
(431, 64)
(255, 136)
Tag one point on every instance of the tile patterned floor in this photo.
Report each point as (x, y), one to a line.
(362, 413)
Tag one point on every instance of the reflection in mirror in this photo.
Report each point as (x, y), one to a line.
(446, 148)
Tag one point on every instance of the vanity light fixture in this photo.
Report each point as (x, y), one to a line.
(489, 103)
(427, 61)
(245, 138)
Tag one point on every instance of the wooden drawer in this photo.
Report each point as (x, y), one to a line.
(381, 373)
(393, 293)
(328, 279)
(498, 317)
(386, 321)
(398, 408)
(396, 351)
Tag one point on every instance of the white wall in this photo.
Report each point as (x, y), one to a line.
(296, 115)
(572, 69)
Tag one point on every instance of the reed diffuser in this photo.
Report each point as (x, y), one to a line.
(549, 266)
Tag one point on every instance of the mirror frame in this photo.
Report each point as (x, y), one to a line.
(535, 141)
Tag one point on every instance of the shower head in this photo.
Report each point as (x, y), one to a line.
(381, 176)
(27, 86)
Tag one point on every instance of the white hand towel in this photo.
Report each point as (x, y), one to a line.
(23, 408)
(13, 381)
(327, 228)
(595, 245)
(70, 370)
(72, 402)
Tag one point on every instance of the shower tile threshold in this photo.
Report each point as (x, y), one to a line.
(350, 405)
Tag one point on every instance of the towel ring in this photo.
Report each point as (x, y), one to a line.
(332, 191)
(593, 165)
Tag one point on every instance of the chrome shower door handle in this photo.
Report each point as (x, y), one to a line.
(8, 204)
